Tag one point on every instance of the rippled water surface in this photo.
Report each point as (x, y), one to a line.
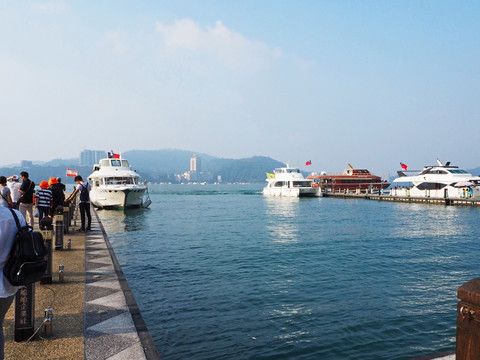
(222, 272)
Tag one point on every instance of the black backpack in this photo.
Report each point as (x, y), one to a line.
(26, 262)
(84, 196)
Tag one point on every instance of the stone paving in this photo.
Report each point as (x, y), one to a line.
(95, 315)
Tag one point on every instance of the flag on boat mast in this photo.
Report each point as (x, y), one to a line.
(112, 155)
(404, 167)
(309, 162)
(270, 175)
(71, 172)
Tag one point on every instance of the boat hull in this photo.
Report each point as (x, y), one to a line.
(117, 197)
(292, 192)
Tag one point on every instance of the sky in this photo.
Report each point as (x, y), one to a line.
(370, 83)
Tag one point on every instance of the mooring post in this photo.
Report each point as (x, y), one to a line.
(46, 230)
(468, 321)
(66, 219)
(59, 228)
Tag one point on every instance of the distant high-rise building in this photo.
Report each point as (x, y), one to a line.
(26, 164)
(195, 163)
(91, 157)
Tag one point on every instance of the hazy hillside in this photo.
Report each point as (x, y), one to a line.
(475, 171)
(169, 161)
(160, 166)
(243, 170)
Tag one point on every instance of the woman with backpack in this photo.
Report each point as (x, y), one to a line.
(57, 193)
(84, 202)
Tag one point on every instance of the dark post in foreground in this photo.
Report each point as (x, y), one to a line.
(468, 321)
(24, 313)
(46, 230)
(59, 228)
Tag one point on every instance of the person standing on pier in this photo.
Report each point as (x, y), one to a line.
(5, 199)
(57, 193)
(26, 198)
(14, 187)
(84, 202)
(8, 229)
(43, 199)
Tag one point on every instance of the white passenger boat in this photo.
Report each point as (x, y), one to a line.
(437, 181)
(116, 186)
(287, 181)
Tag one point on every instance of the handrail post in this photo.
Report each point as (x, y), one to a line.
(468, 321)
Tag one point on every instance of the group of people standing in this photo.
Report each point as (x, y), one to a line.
(23, 197)
(20, 198)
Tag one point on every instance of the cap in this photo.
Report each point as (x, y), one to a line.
(14, 177)
(44, 184)
(52, 180)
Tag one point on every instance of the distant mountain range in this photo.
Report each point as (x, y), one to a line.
(161, 166)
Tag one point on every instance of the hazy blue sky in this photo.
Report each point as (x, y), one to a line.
(370, 83)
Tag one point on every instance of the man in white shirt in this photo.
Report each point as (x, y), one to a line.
(14, 186)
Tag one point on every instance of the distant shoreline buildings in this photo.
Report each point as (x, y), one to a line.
(91, 157)
(195, 174)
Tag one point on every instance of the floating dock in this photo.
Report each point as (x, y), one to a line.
(408, 199)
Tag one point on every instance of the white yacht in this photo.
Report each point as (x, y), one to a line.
(437, 181)
(287, 181)
(116, 186)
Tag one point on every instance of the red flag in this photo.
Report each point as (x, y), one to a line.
(71, 172)
(309, 162)
(404, 167)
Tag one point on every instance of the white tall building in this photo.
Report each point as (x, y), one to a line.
(91, 157)
(195, 164)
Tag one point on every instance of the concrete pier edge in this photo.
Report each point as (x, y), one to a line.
(144, 335)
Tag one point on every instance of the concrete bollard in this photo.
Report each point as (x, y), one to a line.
(468, 321)
(24, 313)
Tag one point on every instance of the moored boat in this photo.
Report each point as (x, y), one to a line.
(352, 179)
(290, 182)
(116, 186)
(437, 181)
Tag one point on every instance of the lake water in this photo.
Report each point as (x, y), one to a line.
(222, 272)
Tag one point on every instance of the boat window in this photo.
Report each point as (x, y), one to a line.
(125, 163)
(302, 184)
(119, 180)
(116, 163)
(459, 171)
(105, 162)
(279, 184)
(293, 171)
(430, 186)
